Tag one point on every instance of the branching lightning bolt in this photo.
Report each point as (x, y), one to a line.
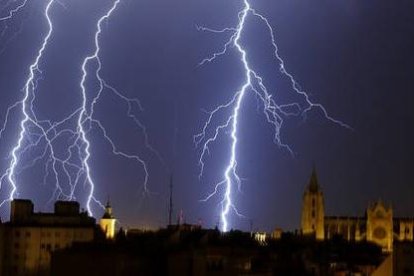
(13, 11)
(273, 112)
(8, 14)
(73, 167)
(26, 104)
(86, 115)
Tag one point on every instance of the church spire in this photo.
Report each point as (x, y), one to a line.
(108, 211)
(107, 222)
(313, 210)
(313, 182)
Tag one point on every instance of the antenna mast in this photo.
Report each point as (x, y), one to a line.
(170, 209)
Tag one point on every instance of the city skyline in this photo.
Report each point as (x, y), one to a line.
(351, 57)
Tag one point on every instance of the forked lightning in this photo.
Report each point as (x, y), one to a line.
(273, 112)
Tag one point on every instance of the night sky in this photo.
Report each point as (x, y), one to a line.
(354, 57)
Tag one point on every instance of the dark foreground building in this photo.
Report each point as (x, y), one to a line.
(29, 238)
(194, 251)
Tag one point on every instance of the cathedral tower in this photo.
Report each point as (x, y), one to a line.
(313, 212)
(107, 222)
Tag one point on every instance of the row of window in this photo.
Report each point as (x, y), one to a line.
(48, 234)
(43, 246)
(18, 234)
(48, 246)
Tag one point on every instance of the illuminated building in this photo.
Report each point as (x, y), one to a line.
(260, 237)
(313, 211)
(107, 222)
(378, 225)
(29, 238)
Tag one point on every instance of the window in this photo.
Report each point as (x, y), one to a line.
(215, 265)
(379, 214)
(28, 234)
(313, 213)
(313, 202)
(406, 251)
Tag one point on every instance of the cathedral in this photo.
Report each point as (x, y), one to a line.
(378, 225)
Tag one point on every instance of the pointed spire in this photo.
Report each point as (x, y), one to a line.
(313, 182)
(108, 210)
(108, 202)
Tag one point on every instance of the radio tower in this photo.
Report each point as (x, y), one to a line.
(170, 209)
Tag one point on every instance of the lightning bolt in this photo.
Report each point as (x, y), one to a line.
(274, 113)
(13, 11)
(86, 117)
(38, 138)
(7, 16)
(26, 105)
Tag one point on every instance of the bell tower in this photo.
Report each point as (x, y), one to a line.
(107, 222)
(313, 212)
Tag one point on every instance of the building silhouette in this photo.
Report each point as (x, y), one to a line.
(28, 240)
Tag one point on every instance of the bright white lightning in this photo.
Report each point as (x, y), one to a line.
(8, 14)
(12, 12)
(71, 168)
(274, 113)
(26, 108)
(86, 118)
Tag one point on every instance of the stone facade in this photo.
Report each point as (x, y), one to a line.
(313, 211)
(107, 222)
(378, 225)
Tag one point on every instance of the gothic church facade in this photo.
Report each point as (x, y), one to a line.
(378, 225)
